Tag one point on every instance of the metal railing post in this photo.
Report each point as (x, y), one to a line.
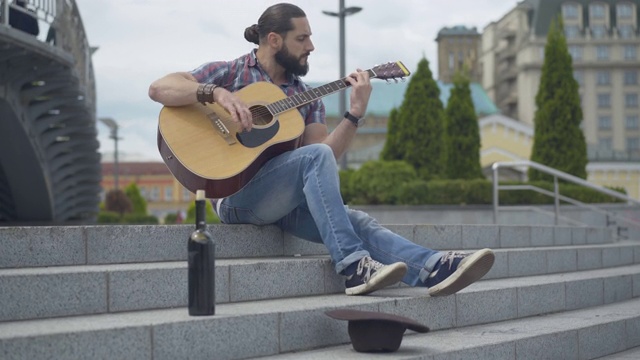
(556, 199)
(495, 194)
(5, 12)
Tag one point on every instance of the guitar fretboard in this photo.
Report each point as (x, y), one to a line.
(310, 95)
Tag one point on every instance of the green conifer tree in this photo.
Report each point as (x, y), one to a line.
(421, 122)
(463, 134)
(558, 140)
(138, 203)
(392, 150)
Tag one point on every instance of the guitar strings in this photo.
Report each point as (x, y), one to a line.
(263, 110)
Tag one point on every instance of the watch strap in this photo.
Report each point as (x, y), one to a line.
(352, 118)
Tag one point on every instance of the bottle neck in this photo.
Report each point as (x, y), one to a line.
(200, 215)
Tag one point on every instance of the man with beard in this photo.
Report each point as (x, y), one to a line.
(299, 190)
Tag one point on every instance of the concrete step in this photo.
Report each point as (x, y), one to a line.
(91, 289)
(270, 327)
(581, 334)
(92, 245)
(631, 354)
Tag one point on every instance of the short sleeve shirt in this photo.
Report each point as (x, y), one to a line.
(245, 70)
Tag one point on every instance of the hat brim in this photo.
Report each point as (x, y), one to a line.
(359, 315)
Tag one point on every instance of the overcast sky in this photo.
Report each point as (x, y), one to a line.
(142, 40)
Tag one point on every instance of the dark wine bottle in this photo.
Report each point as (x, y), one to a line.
(201, 249)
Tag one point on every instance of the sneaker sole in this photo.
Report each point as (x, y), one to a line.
(390, 275)
(477, 266)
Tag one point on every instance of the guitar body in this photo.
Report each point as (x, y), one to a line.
(200, 156)
(203, 149)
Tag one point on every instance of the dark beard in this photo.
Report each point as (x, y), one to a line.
(291, 63)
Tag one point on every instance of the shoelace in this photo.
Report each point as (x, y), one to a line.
(370, 264)
(452, 255)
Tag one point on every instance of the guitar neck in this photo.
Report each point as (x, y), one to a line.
(303, 98)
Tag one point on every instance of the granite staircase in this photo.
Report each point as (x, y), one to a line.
(120, 292)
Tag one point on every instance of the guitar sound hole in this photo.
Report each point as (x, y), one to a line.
(261, 115)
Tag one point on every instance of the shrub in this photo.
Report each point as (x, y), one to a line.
(139, 219)
(211, 217)
(379, 182)
(108, 217)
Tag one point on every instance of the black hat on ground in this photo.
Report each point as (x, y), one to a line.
(376, 331)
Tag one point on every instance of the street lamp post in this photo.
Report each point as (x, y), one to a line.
(113, 126)
(341, 15)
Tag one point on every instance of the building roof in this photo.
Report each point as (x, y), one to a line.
(386, 96)
(135, 168)
(457, 30)
(481, 101)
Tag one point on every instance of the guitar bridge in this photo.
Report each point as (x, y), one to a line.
(221, 128)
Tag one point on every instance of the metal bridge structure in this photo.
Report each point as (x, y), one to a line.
(49, 159)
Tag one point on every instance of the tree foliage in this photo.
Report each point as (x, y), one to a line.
(117, 201)
(463, 134)
(392, 149)
(139, 204)
(210, 215)
(418, 132)
(558, 140)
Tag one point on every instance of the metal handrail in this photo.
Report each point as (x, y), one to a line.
(44, 10)
(557, 174)
(66, 32)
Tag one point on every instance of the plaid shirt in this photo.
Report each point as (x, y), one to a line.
(245, 70)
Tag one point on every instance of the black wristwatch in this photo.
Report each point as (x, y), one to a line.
(356, 121)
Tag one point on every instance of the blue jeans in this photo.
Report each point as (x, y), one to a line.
(299, 191)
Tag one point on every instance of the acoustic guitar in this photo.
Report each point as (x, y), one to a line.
(204, 149)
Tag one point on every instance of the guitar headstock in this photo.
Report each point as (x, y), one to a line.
(391, 70)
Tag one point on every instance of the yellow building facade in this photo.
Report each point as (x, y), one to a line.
(504, 139)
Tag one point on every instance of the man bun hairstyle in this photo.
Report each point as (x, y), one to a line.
(251, 34)
(277, 19)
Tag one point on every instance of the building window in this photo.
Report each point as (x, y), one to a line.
(605, 143)
(570, 11)
(604, 101)
(631, 122)
(631, 100)
(604, 122)
(597, 11)
(452, 61)
(579, 76)
(633, 144)
(630, 77)
(625, 31)
(576, 52)
(602, 52)
(154, 194)
(186, 195)
(603, 77)
(630, 52)
(571, 31)
(624, 10)
(598, 31)
(168, 193)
